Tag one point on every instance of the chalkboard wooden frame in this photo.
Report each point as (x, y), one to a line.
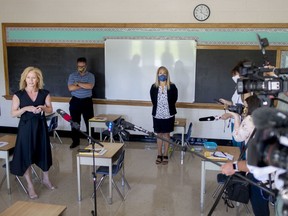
(199, 104)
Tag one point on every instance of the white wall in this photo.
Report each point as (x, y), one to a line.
(133, 11)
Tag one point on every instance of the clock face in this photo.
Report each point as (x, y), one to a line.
(201, 12)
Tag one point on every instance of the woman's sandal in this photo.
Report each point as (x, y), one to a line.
(165, 160)
(31, 193)
(159, 159)
(48, 185)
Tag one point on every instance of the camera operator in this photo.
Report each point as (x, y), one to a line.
(236, 98)
(242, 132)
(267, 153)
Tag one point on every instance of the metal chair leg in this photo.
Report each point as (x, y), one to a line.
(20, 182)
(2, 181)
(117, 189)
(55, 133)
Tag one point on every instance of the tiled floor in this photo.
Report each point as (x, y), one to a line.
(156, 190)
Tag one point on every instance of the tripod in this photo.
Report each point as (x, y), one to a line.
(184, 149)
(91, 141)
(229, 179)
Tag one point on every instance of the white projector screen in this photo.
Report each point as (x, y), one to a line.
(131, 65)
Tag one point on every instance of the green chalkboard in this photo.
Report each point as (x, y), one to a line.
(56, 64)
(213, 71)
(213, 78)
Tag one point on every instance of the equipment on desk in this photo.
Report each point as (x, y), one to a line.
(89, 151)
(211, 146)
(116, 128)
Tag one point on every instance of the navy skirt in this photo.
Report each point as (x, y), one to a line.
(163, 125)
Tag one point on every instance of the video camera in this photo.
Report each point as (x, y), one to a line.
(270, 144)
(269, 147)
(257, 79)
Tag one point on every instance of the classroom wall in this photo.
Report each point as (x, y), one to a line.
(127, 11)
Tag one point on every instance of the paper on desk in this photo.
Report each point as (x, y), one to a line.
(218, 155)
(223, 155)
(99, 118)
(98, 151)
(3, 144)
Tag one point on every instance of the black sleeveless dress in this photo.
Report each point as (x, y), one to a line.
(33, 142)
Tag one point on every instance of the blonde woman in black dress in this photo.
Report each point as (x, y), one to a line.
(31, 103)
(164, 95)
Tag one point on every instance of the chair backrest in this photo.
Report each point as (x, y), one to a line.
(120, 161)
(189, 132)
(53, 123)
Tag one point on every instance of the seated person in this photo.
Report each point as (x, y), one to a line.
(242, 132)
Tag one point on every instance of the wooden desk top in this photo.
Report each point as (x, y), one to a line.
(33, 209)
(235, 151)
(104, 118)
(11, 139)
(180, 122)
(112, 149)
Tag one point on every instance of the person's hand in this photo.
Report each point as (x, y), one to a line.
(226, 103)
(227, 169)
(227, 115)
(33, 109)
(271, 73)
(38, 110)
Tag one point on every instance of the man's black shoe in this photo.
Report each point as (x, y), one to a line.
(73, 145)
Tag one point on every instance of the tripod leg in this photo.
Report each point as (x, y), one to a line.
(219, 196)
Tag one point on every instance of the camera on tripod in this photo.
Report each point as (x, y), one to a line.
(258, 79)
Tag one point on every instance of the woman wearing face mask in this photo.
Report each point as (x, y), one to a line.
(164, 95)
(236, 98)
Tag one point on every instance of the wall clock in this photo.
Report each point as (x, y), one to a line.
(201, 12)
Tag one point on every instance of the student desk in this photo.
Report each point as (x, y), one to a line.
(180, 127)
(99, 121)
(207, 165)
(4, 154)
(111, 155)
(33, 209)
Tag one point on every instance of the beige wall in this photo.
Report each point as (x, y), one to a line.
(148, 11)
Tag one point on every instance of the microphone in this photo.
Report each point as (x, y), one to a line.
(110, 125)
(263, 42)
(130, 126)
(265, 117)
(210, 118)
(64, 115)
(68, 118)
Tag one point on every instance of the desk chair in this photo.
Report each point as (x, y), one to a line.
(176, 138)
(19, 178)
(119, 166)
(52, 128)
